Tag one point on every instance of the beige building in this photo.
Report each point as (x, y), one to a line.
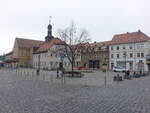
(96, 56)
(22, 51)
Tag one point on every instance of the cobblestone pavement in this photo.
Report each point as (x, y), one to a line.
(96, 78)
(18, 95)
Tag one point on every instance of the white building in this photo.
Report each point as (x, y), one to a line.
(129, 50)
(48, 55)
(54, 57)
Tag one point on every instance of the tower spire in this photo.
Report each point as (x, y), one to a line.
(49, 32)
(50, 19)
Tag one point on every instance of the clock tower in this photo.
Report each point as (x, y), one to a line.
(49, 33)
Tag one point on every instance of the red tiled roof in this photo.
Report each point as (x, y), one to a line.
(133, 37)
(99, 44)
(49, 44)
(9, 53)
(80, 45)
(28, 43)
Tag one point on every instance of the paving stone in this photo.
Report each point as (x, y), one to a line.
(21, 95)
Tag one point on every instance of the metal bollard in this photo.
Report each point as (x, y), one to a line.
(32, 74)
(43, 76)
(105, 80)
(51, 78)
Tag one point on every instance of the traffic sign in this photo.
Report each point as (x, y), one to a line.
(148, 62)
(62, 55)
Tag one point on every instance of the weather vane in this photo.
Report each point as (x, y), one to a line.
(50, 19)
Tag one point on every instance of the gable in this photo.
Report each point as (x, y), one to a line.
(15, 49)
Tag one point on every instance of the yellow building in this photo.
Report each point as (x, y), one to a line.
(22, 51)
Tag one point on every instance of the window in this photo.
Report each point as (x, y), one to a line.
(140, 46)
(117, 55)
(112, 56)
(140, 61)
(117, 47)
(131, 55)
(95, 56)
(51, 63)
(138, 54)
(123, 47)
(112, 48)
(130, 47)
(125, 54)
(142, 55)
(56, 63)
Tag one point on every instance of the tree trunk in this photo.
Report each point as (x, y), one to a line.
(72, 68)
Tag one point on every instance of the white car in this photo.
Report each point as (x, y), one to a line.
(119, 69)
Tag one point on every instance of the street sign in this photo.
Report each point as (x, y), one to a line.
(104, 64)
(62, 55)
(148, 62)
(148, 59)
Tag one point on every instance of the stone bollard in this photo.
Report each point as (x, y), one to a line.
(51, 75)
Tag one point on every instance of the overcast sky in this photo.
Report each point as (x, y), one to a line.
(102, 18)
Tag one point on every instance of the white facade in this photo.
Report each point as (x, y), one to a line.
(130, 56)
(40, 60)
(51, 59)
(54, 57)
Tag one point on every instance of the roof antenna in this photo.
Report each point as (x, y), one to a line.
(50, 19)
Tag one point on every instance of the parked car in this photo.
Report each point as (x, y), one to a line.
(81, 68)
(119, 69)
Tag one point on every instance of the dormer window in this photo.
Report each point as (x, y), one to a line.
(117, 47)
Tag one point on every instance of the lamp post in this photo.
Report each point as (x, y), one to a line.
(62, 56)
(38, 71)
(106, 65)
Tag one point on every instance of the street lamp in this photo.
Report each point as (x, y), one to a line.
(106, 66)
(62, 56)
(38, 71)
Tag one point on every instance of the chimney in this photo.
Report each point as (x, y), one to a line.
(139, 30)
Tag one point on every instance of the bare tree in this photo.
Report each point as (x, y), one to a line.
(74, 40)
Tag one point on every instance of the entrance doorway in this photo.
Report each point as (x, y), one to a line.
(94, 64)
